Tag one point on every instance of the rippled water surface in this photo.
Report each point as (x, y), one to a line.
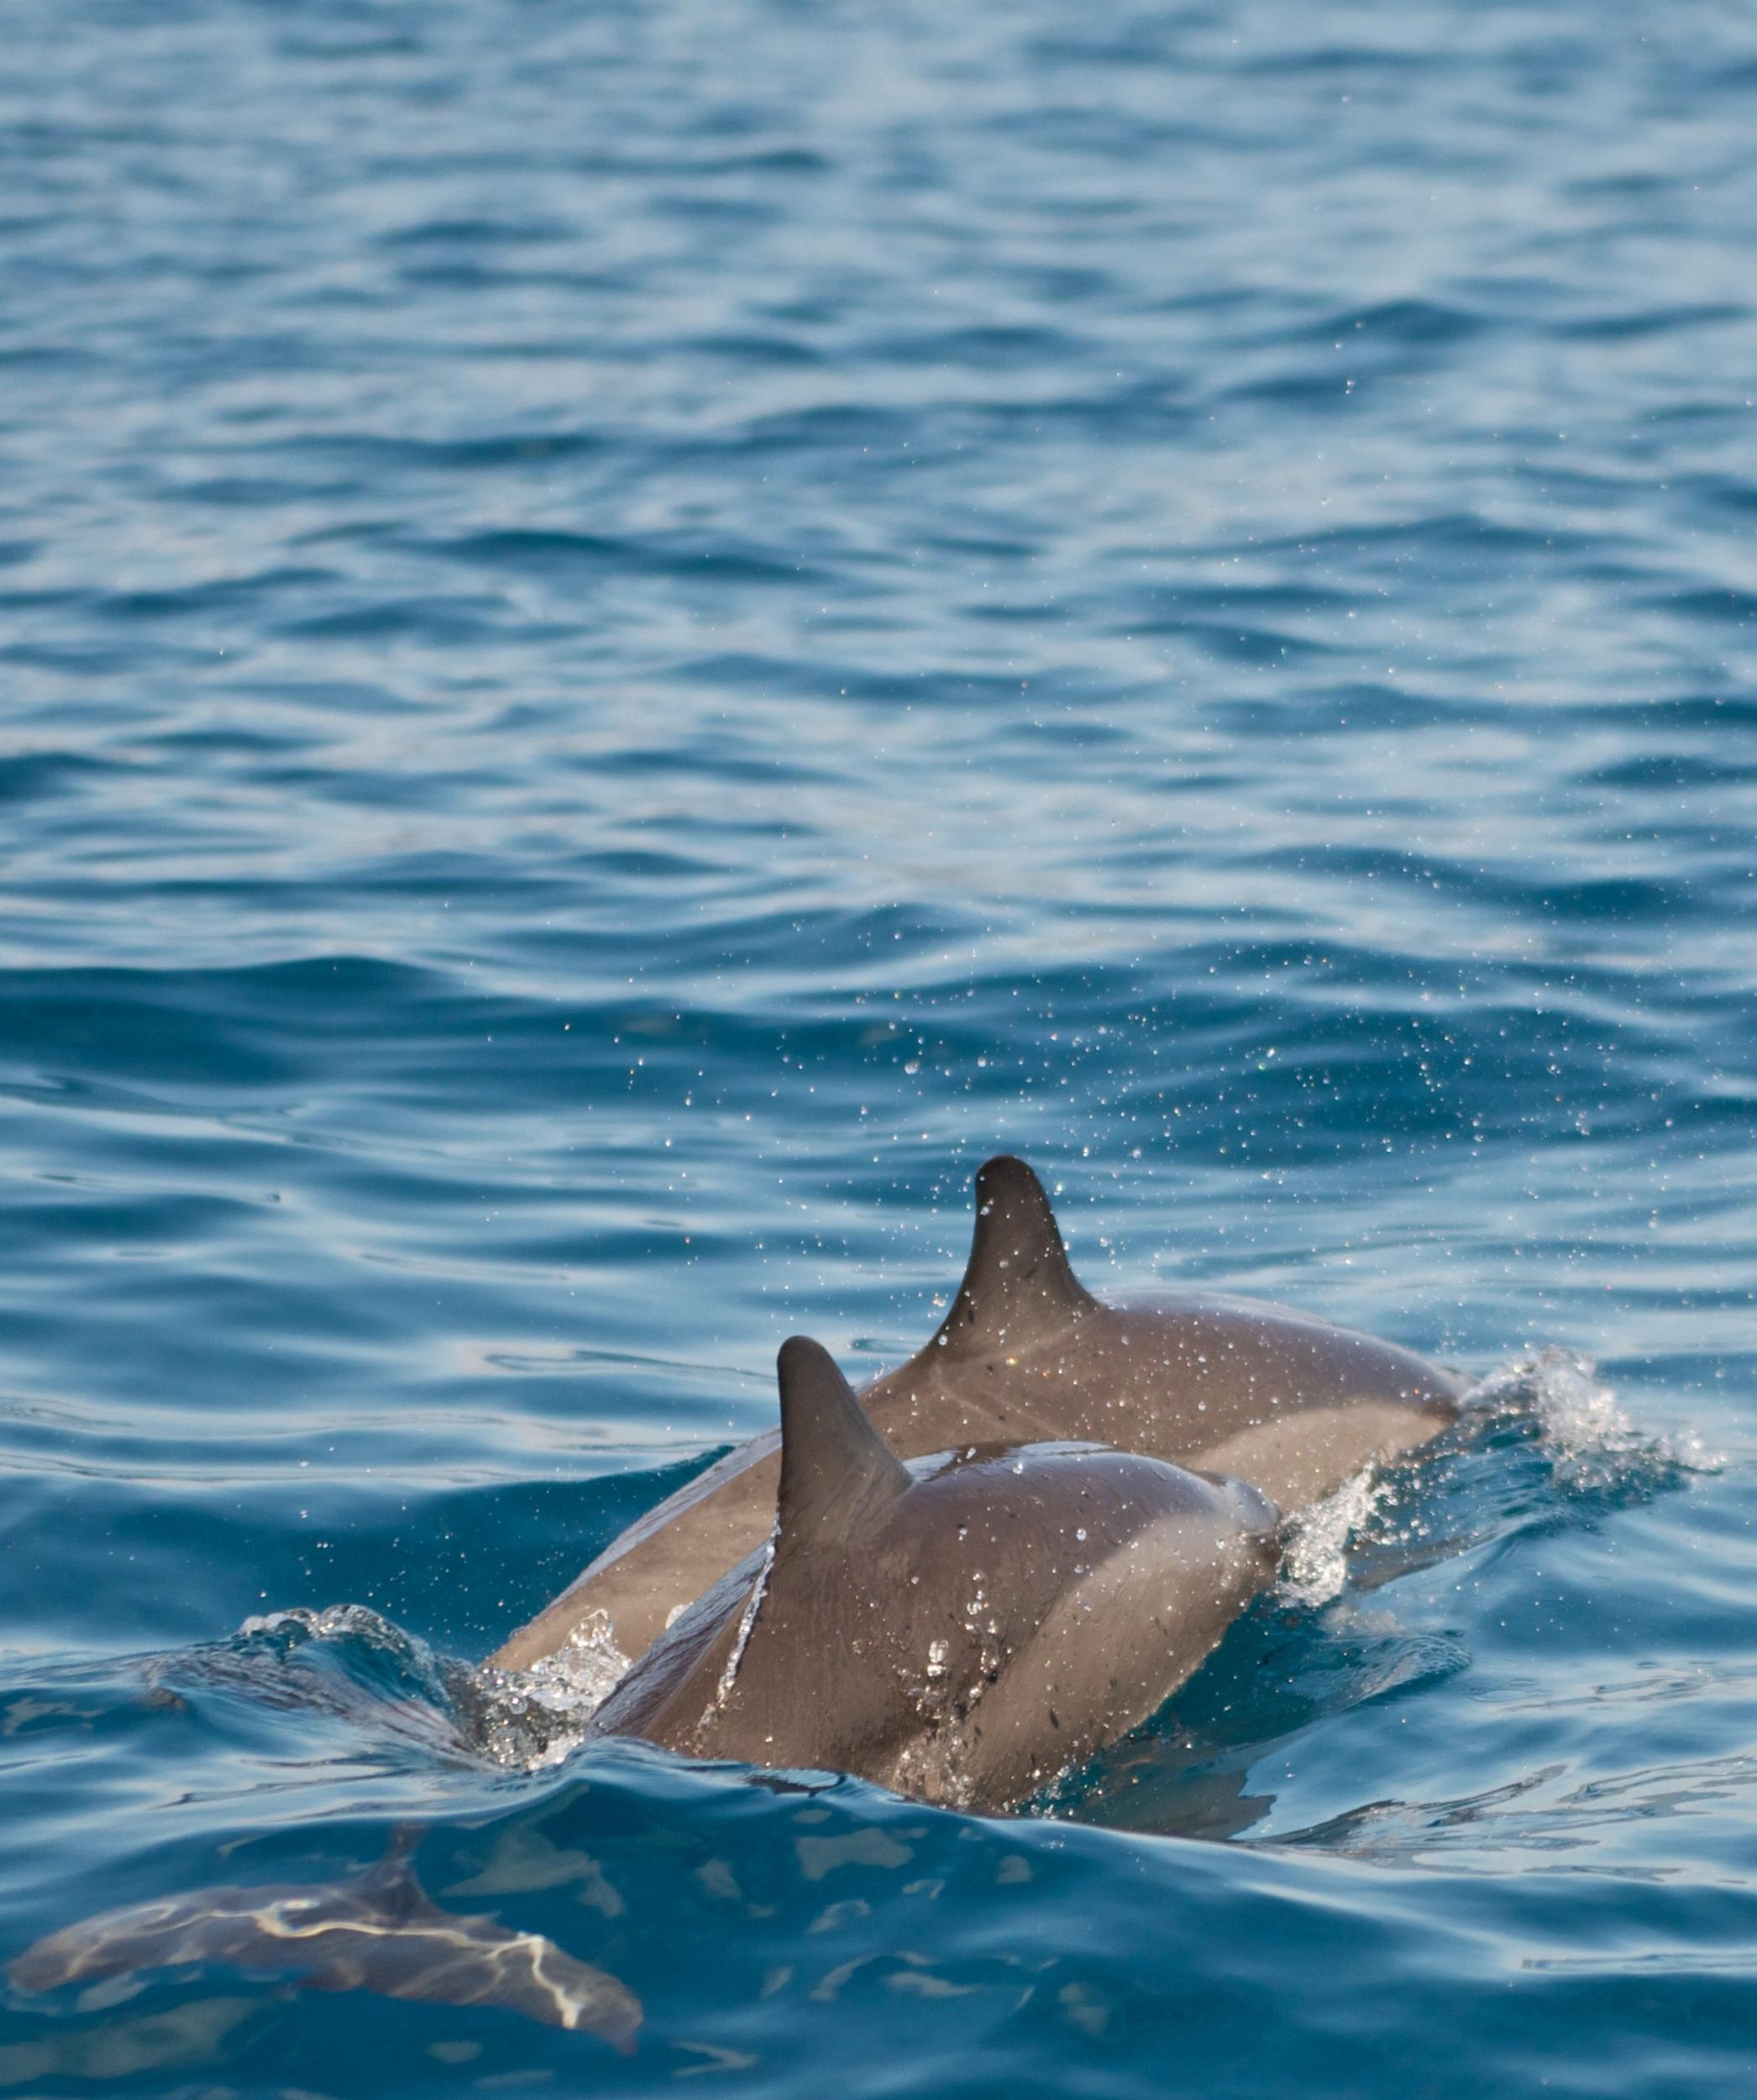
(630, 636)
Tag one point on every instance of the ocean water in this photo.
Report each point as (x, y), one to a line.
(630, 636)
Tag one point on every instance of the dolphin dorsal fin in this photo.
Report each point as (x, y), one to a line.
(835, 1466)
(1019, 1282)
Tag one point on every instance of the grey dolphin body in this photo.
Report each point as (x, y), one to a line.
(1220, 1384)
(960, 1633)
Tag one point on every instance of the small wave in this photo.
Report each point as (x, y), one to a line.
(349, 1661)
(1589, 1439)
(345, 1661)
(300, 1623)
(1591, 1444)
(380, 1657)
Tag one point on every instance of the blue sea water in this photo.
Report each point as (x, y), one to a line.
(630, 635)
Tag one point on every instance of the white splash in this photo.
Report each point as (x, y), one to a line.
(1315, 1567)
(1591, 1441)
(536, 1717)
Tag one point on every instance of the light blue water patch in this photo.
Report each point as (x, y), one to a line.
(629, 638)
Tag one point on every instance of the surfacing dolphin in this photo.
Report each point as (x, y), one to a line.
(1026, 1354)
(951, 1634)
(962, 1632)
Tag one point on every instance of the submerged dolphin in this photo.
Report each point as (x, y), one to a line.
(381, 1933)
(962, 1633)
(1220, 1385)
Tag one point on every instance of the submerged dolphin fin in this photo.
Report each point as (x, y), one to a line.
(1018, 1282)
(836, 1467)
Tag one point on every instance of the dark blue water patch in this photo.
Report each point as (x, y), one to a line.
(539, 552)
(42, 776)
(432, 1562)
(767, 348)
(388, 619)
(465, 231)
(139, 1024)
(1410, 323)
(1733, 605)
(1633, 326)
(212, 598)
(375, 452)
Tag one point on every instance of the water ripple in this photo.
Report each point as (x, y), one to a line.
(633, 637)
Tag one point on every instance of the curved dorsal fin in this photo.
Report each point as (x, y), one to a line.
(1018, 1282)
(835, 1466)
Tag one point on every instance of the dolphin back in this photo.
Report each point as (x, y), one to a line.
(960, 1633)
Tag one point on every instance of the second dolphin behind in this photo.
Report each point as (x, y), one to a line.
(1293, 1404)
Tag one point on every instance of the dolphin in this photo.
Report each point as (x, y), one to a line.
(962, 1631)
(380, 1932)
(1026, 1354)
(1065, 1549)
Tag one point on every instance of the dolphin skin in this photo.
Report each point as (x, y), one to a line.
(1026, 1355)
(380, 1933)
(961, 1632)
